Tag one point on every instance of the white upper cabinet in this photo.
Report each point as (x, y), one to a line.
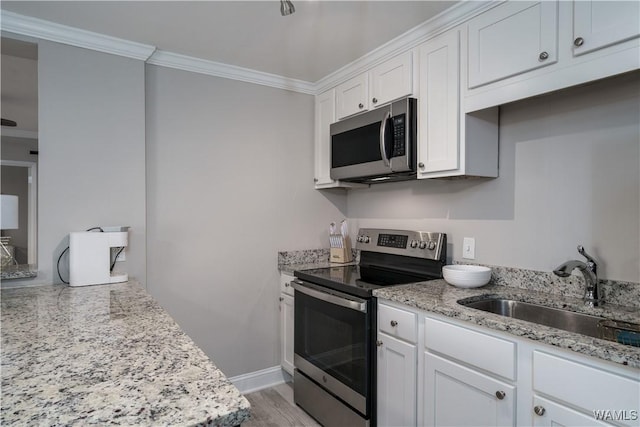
(391, 80)
(522, 49)
(352, 96)
(513, 39)
(598, 24)
(325, 115)
(387, 82)
(439, 101)
(450, 142)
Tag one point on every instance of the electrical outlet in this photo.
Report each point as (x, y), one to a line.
(469, 248)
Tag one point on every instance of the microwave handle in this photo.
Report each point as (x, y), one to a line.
(383, 142)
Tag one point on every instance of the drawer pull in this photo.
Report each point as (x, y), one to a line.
(394, 323)
(539, 410)
(500, 394)
(379, 343)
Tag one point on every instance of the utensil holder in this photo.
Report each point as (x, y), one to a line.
(340, 255)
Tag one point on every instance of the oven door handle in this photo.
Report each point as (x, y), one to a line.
(353, 304)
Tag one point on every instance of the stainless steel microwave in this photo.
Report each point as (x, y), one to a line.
(377, 146)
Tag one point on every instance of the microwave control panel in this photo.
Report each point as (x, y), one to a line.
(399, 142)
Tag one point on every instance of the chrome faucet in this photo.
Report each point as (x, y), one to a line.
(589, 271)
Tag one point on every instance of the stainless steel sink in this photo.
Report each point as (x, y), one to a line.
(593, 326)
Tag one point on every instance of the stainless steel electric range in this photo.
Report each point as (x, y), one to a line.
(335, 322)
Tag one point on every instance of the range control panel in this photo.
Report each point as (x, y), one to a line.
(419, 244)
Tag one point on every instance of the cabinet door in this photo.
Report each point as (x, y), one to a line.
(325, 115)
(439, 102)
(546, 413)
(392, 80)
(458, 396)
(352, 96)
(511, 39)
(397, 393)
(286, 332)
(599, 24)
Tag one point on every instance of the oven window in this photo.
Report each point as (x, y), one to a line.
(334, 339)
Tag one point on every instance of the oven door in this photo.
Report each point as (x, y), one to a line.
(333, 342)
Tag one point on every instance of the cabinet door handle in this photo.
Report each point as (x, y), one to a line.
(281, 299)
(543, 56)
(379, 343)
(579, 41)
(360, 105)
(315, 179)
(539, 410)
(287, 284)
(500, 394)
(394, 323)
(374, 100)
(421, 165)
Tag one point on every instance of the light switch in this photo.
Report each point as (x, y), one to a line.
(469, 248)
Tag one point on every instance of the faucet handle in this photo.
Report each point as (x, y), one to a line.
(591, 262)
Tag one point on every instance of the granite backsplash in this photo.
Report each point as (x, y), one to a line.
(616, 292)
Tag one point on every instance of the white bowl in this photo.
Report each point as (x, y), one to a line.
(466, 276)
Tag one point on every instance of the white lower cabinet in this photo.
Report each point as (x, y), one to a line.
(469, 375)
(547, 413)
(397, 364)
(286, 323)
(455, 395)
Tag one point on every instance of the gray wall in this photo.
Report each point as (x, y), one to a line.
(229, 184)
(91, 143)
(569, 175)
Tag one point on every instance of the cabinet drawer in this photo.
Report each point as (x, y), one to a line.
(398, 323)
(584, 386)
(492, 354)
(285, 284)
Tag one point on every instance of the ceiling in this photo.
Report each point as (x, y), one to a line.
(318, 39)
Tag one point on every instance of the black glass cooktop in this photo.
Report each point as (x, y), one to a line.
(359, 280)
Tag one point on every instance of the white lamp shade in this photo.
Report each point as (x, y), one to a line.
(9, 212)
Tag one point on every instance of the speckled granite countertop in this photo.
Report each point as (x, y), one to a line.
(22, 271)
(439, 297)
(106, 354)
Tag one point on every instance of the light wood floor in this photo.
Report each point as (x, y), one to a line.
(274, 407)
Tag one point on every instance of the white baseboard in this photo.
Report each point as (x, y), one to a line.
(258, 380)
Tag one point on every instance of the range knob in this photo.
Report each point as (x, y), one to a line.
(413, 244)
(431, 246)
(366, 239)
(359, 239)
(422, 245)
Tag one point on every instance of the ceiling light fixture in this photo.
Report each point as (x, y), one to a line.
(286, 7)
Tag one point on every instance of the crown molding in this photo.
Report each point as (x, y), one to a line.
(447, 19)
(218, 69)
(46, 30)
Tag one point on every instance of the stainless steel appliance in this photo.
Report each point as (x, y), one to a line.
(377, 146)
(335, 322)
